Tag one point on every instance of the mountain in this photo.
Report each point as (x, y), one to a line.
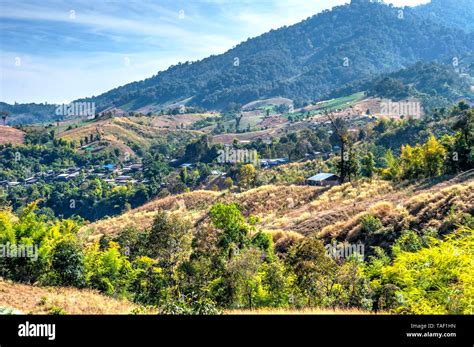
(458, 13)
(303, 62)
(437, 85)
(28, 113)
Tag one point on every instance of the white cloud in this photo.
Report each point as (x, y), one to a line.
(209, 27)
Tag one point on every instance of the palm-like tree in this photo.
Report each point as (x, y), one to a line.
(4, 116)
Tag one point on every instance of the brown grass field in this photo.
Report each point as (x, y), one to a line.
(288, 212)
(30, 299)
(305, 311)
(11, 135)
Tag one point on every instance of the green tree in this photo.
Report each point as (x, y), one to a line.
(443, 287)
(368, 165)
(392, 171)
(228, 183)
(247, 176)
(434, 157)
(313, 269)
(229, 219)
(109, 270)
(241, 272)
(169, 240)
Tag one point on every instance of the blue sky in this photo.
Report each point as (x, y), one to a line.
(58, 51)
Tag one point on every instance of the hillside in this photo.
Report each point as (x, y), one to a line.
(447, 12)
(347, 46)
(129, 134)
(301, 62)
(297, 211)
(11, 135)
(29, 299)
(29, 113)
(435, 84)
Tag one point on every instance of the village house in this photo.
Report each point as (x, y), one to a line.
(324, 179)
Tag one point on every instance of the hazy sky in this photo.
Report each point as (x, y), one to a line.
(57, 51)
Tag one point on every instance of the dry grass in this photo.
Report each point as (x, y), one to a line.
(350, 228)
(351, 193)
(275, 199)
(430, 209)
(123, 132)
(289, 212)
(305, 311)
(41, 300)
(11, 135)
(192, 205)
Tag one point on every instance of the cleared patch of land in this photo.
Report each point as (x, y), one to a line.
(125, 134)
(11, 135)
(30, 299)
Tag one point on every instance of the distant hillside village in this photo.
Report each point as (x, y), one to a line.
(110, 173)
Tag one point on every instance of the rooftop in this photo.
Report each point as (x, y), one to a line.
(321, 176)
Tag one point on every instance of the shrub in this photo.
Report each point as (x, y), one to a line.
(370, 224)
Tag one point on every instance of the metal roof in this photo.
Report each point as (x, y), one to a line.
(321, 176)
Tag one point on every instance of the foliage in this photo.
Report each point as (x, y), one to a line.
(438, 279)
(247, 176)
(108, 271)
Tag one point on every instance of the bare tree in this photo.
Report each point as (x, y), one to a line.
(344, 140)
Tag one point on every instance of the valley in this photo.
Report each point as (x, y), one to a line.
(324, 167)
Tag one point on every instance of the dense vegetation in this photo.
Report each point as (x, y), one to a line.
(447, 12)
(220, 256)
(302, 62)
(436, 85)
(29, 113)
(86, 196)
(233, 265)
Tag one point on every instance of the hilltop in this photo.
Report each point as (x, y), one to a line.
(129, 134)
(300, 62)
(305, 62)
(11, 135)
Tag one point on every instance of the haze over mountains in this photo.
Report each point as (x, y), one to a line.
(309, 60)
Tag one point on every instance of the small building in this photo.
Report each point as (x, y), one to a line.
(62, 177)
(73, 170)
(324, 179)
(136, 167)
(217, 173)
(109, 167)
(73, 175)
(268, 163)
(31, 180)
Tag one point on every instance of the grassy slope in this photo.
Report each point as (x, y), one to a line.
(29, 299)
(11, 135)
(126, 132)
(322, 212)
(287, 212)
(40, 300)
